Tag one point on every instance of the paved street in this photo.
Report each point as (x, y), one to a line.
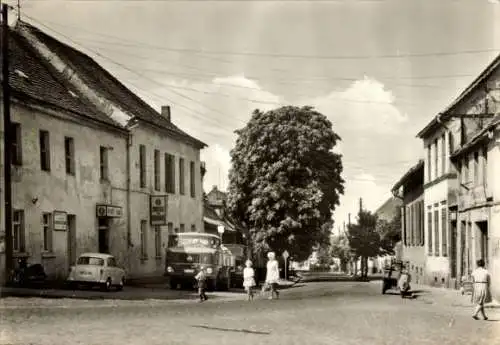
(314, 313)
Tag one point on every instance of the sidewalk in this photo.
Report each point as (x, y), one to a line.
(158, 291)
(448, 297)
(128, 293)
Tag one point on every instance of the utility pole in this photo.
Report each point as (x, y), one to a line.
(360, 204)
(349, 219)
(7, 143)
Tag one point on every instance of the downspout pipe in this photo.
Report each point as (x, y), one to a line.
(128, 143)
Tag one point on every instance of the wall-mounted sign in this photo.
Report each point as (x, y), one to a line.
(60, 220)
(109, 211)
(158, 210)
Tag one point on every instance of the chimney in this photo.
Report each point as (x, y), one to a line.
(165, 112)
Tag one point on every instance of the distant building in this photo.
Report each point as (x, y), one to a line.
(410, 188)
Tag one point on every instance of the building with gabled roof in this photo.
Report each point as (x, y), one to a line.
(95, 168)
(448, 238)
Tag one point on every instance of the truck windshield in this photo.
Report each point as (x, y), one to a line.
(207, 259)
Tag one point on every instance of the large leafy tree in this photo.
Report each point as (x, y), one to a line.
(285, 179)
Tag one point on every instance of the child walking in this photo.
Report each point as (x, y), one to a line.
(201, 278)
(249, 279)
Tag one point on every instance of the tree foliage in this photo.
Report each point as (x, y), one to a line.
(364, 239)
(285, 180)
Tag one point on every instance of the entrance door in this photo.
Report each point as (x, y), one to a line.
(71, 239)
(103, 228)
(483, 241)
(453, 250)
(463, 251)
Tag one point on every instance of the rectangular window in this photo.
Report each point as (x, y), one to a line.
(443, 154)
(169, 173)
(415, 224)
(44, 150)
(429, 163)
(436, 158)
(16, 142)
(476, 167)
(436, 233)
(183, 228)
(158, 242)
(142, 166)
(444, 232)
(429, 233)
(157, 169)
(69, 153)
(144, 239)
(192, 180)
(47, 232)
(485, 166)
(103, 163)
(182, 188)
(18, 234)
(193, 228)
(407, 226)
(170, 227)
(420, 223)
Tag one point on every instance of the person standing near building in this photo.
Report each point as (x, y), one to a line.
(272, 275)
(481, 293)
(201, 278)
(249, 279)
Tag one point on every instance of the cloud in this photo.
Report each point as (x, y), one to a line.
(365, 105)
(363, 114)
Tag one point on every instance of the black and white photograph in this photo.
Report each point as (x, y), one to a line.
(210, 172)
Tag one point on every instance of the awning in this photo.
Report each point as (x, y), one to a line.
(227, 226)
(212, 221)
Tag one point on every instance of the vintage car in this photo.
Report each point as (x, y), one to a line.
(96, 269)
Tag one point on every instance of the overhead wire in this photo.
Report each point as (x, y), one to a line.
(127, 68)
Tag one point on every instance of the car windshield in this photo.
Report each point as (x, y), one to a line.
(208, 259)
(89, 260)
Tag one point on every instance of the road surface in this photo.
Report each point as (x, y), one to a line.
(314, 313)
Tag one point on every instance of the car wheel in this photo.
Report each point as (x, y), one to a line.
(107, 285)
(121, 284)
(173, 284)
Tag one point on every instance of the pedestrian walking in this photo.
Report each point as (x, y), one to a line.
(249, 279)
(272, 275)
(201, 279)
(481, 293)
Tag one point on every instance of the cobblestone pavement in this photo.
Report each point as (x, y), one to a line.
(314, 313)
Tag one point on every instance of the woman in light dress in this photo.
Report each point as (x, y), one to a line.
(481, 293)
(272, 275)
(249, 279)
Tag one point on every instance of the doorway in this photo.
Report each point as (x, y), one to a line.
(71, 239)
(453, 250)
(463, 249)
(103, 229)
(483, 241)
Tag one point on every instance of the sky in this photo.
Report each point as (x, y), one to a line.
(380, 70)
